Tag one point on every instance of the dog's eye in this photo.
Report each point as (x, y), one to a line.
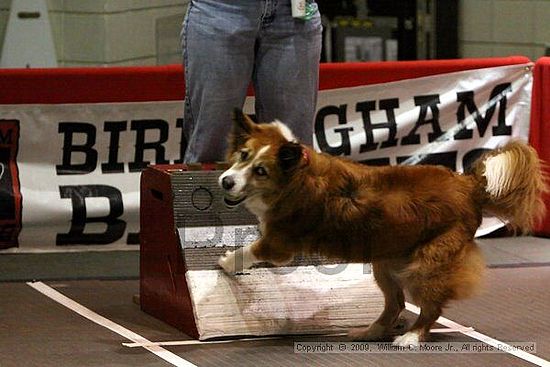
(260, 171)
(244, 155)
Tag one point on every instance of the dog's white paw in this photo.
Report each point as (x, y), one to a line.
(227, 262)
(407, 340)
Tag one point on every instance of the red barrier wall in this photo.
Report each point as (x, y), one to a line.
(539, 136)
(166, 83)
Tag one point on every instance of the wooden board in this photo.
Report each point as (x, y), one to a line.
(289, 300)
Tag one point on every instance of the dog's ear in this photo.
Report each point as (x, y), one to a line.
(242, 121)
(243, 126)
(289, 156)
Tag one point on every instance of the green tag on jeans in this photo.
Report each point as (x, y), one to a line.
(311, 10)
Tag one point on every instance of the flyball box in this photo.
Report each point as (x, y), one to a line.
(186, 226)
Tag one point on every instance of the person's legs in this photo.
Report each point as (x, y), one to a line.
(218, 42)
(287, 69)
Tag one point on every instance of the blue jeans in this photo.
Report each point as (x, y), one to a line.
(229, 43)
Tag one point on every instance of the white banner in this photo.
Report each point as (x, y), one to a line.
(440, 118)
(77, 167)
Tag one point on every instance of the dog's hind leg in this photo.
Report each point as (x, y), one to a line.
(429, 313)
(394, 303)
(447, 268)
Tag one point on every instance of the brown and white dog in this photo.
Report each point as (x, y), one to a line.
(415, 224)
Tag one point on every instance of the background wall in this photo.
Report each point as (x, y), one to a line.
(146, 32)
(504, 27)
(4, 15)
(112, 32)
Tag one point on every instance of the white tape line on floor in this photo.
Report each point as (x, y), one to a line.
(485, 339)
(106, 323)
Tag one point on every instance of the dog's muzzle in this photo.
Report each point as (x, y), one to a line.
(228, 183)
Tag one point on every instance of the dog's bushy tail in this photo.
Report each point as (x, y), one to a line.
(514, 182)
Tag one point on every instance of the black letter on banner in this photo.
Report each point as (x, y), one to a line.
(112, 165)
(498, 95)
(447, 159)
(425, 102)
(376, 162)
(472, 156)
(183, 142)
(141, 126)
(132, 238)
(78, 194)
(69, 129)
(365, 108)
(345, 147)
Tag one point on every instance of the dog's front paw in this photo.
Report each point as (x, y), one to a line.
(410, 339)
(227, 262)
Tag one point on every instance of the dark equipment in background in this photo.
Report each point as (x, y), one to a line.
(375, 30)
